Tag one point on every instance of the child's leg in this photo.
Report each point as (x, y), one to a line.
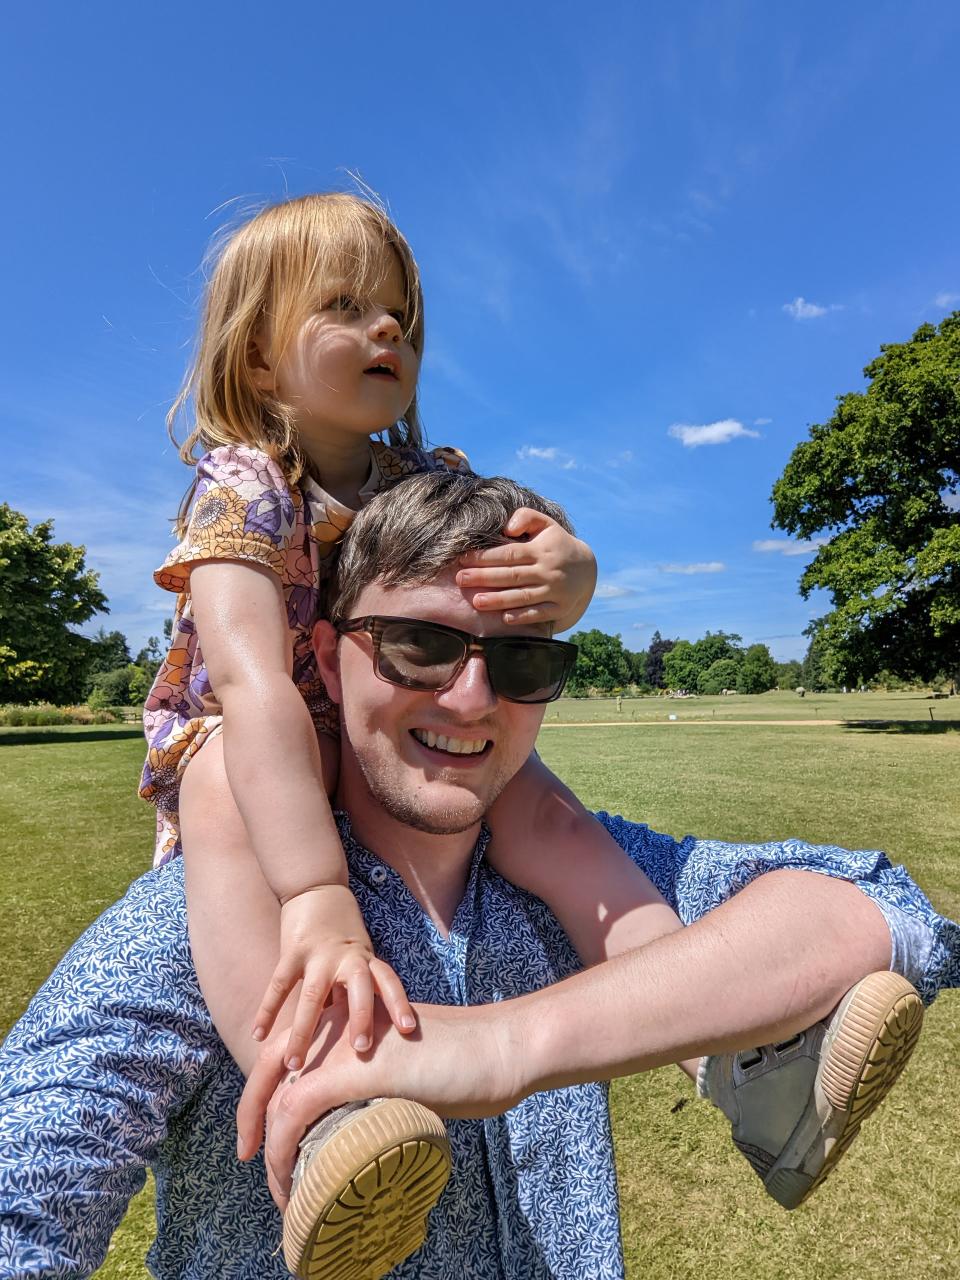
(545, 841)
(233, 916)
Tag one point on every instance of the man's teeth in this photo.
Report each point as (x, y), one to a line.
(456, 746)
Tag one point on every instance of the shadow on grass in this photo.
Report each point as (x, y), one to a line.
(903, 726)
(17, 737)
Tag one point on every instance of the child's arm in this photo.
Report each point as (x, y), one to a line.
(274, 769)
(544, 574)
(545, 841)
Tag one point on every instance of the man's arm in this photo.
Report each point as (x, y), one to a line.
(759, 968)
(115, 1042)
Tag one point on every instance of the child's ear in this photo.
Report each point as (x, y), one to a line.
(325, 648)
(258, 362)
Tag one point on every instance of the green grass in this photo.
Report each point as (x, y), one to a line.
(74, 834)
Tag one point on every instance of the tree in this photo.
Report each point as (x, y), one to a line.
(716, 645)
(637, 663)
(681, 669)
(108, 651)
(758, 671)
(720, 675)
(45, 591)
(789, 674)
(813, 673)
(655, 655)
(879, 483)
(602, 662)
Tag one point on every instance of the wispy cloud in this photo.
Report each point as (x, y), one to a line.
(788, 547)
(801, 309)
(532, 452)
(762, 422)
(611, 591)
(702, 566)
(946, 300)
(692, 437)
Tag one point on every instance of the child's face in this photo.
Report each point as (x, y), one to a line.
(349, 370)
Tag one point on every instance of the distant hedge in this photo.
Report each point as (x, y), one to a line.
(45, 714)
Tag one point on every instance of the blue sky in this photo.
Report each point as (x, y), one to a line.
(657, 241)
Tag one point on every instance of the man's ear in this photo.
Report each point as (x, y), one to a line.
(325, 648)
(258, 362)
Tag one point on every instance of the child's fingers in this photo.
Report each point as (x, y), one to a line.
(548, 612)
(516, 598)
(359, 986)
(527, 522)
(394, 997)
(317, 981)
(505, 553)
(285, 977)
(500, 577)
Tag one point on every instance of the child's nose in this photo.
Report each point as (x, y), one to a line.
(385, 328)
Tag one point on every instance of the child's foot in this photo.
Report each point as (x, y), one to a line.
(796, 1106)
(366, 1178)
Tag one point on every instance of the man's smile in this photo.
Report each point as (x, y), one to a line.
(448, 746)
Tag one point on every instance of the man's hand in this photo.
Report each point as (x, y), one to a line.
(324, 942)
(464, 1062)
(544, 574)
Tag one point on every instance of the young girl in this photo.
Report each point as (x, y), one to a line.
(310, 349)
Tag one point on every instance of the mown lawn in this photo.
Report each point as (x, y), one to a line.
(73, 834)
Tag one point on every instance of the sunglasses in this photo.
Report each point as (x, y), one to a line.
(429, 656)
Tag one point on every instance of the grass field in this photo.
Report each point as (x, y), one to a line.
(73, 834)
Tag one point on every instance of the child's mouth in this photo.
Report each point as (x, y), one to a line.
(381, 371)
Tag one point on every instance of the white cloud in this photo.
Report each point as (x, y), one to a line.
(787, 547)
(762, 422)
(692, 437)
(946, 300)
(950, 500)
(610, 591)
(703, 566)
(801, 309)
(550, 454)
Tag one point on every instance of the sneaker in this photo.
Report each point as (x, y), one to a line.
(366, 1178)
(796, 1106)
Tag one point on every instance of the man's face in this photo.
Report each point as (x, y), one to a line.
(386, 728)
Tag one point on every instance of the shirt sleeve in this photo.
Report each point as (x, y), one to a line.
(243, 509)
(697, 875)
(114, 1044)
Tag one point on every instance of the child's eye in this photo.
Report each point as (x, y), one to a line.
(344, 302)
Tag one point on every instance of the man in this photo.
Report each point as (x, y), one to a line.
(116, 1064)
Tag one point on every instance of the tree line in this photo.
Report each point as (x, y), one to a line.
(716, 662)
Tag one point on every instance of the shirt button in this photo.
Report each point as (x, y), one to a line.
(379, 875)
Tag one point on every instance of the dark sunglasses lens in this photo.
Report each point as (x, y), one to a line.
(528, 670)
(418, 656)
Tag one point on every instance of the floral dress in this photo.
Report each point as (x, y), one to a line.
(245, 509)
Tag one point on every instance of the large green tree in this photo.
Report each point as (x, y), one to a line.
(880, 482)
(45, 591)
(602, 662)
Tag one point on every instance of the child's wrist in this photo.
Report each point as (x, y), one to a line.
(313, 888)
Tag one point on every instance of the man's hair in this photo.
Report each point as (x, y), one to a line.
(410, 533)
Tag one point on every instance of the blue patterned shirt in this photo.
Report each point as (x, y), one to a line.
(116, 1066)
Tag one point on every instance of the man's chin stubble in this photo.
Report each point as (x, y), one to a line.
(434, 821)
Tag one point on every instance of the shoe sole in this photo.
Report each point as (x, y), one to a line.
(361, 1206)
(866, 1049)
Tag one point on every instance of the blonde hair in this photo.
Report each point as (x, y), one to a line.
(272, 271)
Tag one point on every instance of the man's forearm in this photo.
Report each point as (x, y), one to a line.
(764, 965)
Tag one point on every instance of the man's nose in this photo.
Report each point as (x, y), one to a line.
(471, 694)
(385, 328)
